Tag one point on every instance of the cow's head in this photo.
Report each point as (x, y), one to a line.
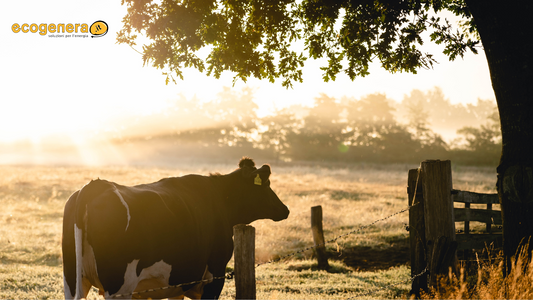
(255, 199)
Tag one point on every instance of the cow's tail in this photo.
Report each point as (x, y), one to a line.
(78, 240)
(90, 191)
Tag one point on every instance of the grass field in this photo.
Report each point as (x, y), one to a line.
(32, 200)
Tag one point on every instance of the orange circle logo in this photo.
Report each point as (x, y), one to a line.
(98, 29)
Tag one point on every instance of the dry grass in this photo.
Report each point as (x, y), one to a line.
(487, 282)
(32, 199)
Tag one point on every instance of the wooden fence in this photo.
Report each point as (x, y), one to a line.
(433, 239)
(244, 260)
(432, 233)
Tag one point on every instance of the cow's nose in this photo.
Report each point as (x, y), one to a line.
(283, 215)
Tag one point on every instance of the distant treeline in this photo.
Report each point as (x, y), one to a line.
(370, 129)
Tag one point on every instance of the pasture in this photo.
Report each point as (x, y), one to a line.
(32, 200)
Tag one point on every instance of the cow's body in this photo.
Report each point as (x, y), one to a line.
(124, 240)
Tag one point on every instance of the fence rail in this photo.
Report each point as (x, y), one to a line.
(478, 215)
(471, 197)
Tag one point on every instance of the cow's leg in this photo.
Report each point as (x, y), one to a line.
(69, 276)
(213, 289)
(66, 287)
(86, 286)
(197, 291)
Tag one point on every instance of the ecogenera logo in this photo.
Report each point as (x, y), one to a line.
(62, 30)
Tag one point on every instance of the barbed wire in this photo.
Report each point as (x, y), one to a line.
(230, 275)
(349, 233)
(355, 231)
(335, 239)
(226, 276)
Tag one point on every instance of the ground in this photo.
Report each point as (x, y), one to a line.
(366, 262)
(366, 258)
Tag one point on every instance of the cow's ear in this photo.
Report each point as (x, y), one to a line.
(265, 171)
(260, 176)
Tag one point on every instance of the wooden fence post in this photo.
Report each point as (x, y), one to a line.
(318, 237)
(439, 217)
(244, 257)
(417, 232)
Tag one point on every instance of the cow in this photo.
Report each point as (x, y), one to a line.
(145, 241)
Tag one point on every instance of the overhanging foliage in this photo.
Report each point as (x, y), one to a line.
(255, 38)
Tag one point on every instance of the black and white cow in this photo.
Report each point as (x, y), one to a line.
(178, 230)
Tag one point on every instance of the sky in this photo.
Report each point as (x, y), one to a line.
(72, 85)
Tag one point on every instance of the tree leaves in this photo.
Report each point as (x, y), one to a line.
(255, 38)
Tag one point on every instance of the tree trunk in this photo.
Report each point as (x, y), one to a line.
(506, 31)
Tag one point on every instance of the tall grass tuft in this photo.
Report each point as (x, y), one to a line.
(488, 282)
